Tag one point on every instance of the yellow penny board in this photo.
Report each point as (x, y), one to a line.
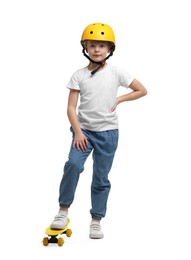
(54, 233)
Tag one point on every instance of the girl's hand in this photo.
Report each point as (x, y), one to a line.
(115, 105)
(80, 142)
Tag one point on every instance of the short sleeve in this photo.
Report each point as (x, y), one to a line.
(74, 81)
(125, 79)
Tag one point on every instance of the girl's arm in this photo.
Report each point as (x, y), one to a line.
(80, 140)
(138, 91)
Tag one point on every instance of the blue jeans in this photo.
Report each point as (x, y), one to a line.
(103, 146)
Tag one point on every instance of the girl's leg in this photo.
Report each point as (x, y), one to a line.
(72, 169)
(105, 145)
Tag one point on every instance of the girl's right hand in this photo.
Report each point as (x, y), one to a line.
(80, 142)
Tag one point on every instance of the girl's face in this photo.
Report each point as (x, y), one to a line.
(97, 50)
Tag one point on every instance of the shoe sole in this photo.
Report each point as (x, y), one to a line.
(96, 236)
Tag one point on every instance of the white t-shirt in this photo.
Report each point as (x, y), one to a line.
(97, 96)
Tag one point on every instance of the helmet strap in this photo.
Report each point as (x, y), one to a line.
(101, 63)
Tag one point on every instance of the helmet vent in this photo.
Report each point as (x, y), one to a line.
(102, 33)
(91, 32)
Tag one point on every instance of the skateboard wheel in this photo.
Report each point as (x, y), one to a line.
(45, 241)
(60, 241)
(68, 232)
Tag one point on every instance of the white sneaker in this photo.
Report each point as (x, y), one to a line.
(95, 231)
(59, 222)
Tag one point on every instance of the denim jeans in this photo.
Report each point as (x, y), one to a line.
(103, 146)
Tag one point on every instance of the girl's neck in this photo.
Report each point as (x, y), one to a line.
(93, 66)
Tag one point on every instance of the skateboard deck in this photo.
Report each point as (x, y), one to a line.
(54, 235)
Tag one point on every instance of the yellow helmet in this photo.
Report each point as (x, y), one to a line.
(98, 32)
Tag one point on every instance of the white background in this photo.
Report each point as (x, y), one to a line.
(149, 212)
